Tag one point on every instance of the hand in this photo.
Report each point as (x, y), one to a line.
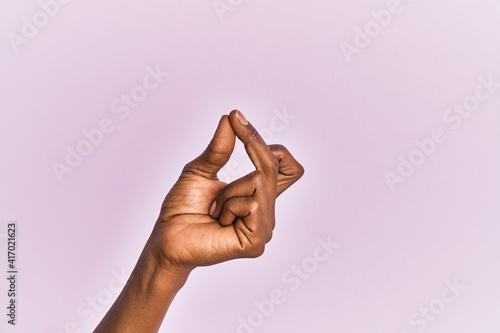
(186, 235)
(204, 221)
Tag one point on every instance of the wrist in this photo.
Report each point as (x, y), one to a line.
(146, 297)
(154, 270)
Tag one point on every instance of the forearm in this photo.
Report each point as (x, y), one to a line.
(145, 299)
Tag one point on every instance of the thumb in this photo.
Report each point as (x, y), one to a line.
(217, 153)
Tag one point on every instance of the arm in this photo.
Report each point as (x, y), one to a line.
(204, 221)
(145, 299)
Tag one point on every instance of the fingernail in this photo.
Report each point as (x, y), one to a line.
(212, 208)
(241, 118)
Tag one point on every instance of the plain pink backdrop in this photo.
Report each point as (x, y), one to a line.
(349, 121)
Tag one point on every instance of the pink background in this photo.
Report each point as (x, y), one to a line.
(348, 124)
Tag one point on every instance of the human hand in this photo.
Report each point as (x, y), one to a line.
(204, 221)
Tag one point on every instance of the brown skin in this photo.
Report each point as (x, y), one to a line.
(204, 221)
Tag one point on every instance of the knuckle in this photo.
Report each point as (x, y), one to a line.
(299, 170)
(278, 148)
(254, 135)
(254, 206)
(257, 249)
(274, 165)
(269, 236)
(252, 176)
(195, 168)
(221, 198)
(259, 178)
(216, 152)
(188, 167)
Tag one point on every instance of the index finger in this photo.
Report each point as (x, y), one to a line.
(257, 149)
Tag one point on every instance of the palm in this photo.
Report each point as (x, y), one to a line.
(187, 234)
